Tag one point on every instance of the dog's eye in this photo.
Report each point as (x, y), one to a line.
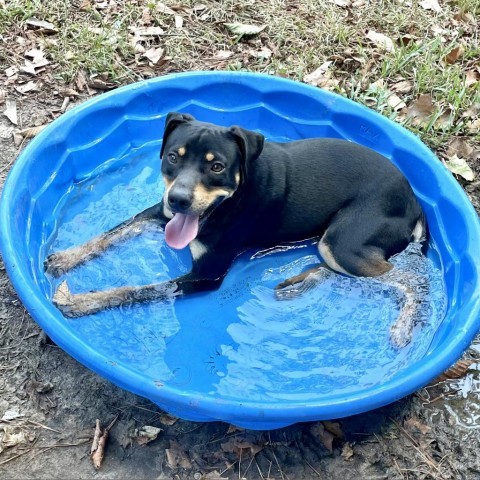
(217, 167)
(172, 158)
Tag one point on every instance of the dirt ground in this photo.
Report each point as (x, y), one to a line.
(49, 404)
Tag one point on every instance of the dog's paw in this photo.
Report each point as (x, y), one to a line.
(69, 304)
(57, 264)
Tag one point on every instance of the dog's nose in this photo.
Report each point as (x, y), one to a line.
(180, 200)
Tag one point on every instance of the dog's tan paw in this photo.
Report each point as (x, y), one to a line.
(59, 263)
(69, 304)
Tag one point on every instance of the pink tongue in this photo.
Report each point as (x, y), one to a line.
(181, 230)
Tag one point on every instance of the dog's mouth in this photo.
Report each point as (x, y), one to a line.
(181, 230)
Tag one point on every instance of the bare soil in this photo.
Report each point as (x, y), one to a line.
(431, 434)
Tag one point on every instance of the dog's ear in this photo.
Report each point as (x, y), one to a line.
(172, 121)
(250, 144)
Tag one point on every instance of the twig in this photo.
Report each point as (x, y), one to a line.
(97, 452)
(44, 426)
(427, 458)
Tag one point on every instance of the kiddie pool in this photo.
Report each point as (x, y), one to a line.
(90, 152)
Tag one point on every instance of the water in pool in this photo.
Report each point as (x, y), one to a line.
(239, 341)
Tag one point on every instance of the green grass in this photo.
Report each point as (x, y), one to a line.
(303, 34)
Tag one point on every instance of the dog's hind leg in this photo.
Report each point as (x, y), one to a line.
(60, 262)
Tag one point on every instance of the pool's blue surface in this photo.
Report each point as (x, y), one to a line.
(237, 354)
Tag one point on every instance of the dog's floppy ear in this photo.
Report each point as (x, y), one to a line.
(250, 144)
(173, 120)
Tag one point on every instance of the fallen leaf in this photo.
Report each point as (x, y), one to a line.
(460, 147)
(458, 166)
(162, 8)
(168, 420)
(146, 31)
(471, 77)
(473, 126)
(26, 87)
(178, 22)
(414, 423)
(455, 54)
(263, 54)
(97, 451)
(176, 456)
(421, 109)
(241, 29)
(318, 75)
(460, 368)
(239, 445)
(223, 54)
(42, 25)
(11, 415)
(326, 437)
(11, 437)
(403, 86)
(335, 428)
(234, 429)
(81, 80)
(154, 54)
(11, 111)
(347, 451)
(28, 133)
(431, 5)
(381, 40)
(9, 72)
(215, 475)
(342, 3)
(146, 434)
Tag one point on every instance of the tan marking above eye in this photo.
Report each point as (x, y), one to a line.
(209, 156)
(182, 151)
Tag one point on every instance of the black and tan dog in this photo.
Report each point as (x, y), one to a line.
(227, 190)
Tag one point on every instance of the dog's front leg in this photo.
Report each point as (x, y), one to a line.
(207, 274)
(60, 262)
(81, 304)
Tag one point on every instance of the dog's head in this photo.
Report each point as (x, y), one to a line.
(202, 165)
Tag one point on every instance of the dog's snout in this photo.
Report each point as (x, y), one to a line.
(180, 200)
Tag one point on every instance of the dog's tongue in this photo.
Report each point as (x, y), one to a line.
(181, 230)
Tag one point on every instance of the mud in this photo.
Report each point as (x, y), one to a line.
(50, 404)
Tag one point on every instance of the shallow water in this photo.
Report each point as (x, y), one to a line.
(240, 341)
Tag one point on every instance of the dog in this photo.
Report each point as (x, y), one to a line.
(227, 190)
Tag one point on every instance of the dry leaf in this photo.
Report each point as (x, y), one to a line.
(459, 166)
(215, 475)
(26, 87)
(342, 3)
(403, 86)
(11, 71)
(167, 419)
(473, 126)
(42, 25)
(413, 423)
(28, 133)
(162, 8)
(11, 415)
(326, 437)
(381, 40)
(455, 54)
(471, 77)
(146, 31)
(395, 102)
(154, 54)
(11, 437)
(241, 29)
(458, 370)
(431, 5)
(234, 429)
(223, 54)
(238, 445)
(11, 111)
(421, 109)
(347, 451)
(147, 434)
(97, 451)
(176, 456)
(460, 147)
(317, 76)
(178, 22)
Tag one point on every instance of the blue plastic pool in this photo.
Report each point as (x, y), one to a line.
(237, 354)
